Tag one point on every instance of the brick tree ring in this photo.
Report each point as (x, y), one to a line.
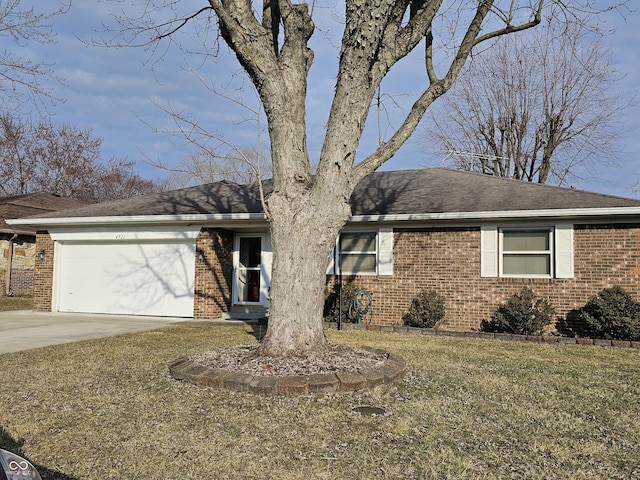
(356, 369)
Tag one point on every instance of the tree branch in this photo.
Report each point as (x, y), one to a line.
(181, 23)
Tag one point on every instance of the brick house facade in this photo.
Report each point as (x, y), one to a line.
(469, 248)
(447, 260)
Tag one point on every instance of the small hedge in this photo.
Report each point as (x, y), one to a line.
(523, 314)
(332, 302)
(612, 314)
(426, 310)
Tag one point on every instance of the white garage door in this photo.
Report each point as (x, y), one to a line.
(131, 278)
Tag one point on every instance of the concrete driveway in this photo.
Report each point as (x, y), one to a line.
(24, 329)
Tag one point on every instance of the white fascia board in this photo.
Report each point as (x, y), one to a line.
(138, 219)
(125, 233)
(508, 214)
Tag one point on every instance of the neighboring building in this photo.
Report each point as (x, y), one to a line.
(204, 252)
(18, 244)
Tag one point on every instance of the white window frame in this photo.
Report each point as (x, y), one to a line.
(561, 245)
(383, 254)
(358, 253)
(550, 252)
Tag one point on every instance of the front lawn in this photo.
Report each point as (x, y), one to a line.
(469, 409)
(15, 303)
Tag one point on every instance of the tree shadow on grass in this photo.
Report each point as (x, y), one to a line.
(7, 442)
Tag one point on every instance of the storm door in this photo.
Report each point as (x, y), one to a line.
(248, 270)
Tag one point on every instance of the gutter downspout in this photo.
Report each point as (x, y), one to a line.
(7, 274)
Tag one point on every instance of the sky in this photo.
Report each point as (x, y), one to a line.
(123, 95)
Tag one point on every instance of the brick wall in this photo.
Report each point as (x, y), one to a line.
(214, 273)
(22, 252)
(444, 259)
(43, 277)
(448, 261)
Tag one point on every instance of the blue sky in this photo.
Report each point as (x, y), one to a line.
(120, 93)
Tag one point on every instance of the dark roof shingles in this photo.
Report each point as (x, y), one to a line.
(434, 190)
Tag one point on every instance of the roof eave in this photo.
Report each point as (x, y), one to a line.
(610, 212)
(138, 219)
(605, 212)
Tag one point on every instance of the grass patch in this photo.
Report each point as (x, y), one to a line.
(15, 303)
(469, 409)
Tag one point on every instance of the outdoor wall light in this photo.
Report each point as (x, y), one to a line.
(41, 255)
(201, 255)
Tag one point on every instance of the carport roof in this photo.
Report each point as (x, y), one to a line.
(434, 191)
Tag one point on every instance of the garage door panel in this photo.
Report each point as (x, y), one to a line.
(121, 278)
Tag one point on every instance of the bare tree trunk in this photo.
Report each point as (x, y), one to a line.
(303, 235)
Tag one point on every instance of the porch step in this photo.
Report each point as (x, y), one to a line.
(246, 313)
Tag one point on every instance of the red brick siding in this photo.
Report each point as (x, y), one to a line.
(444, 259)
(448, 261)
(213, 274)
(43, 274)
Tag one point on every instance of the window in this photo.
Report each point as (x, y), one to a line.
(526, 253)
(363, 253)
(530, 252)
(358, 252)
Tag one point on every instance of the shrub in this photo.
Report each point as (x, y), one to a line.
(523, 314)
(426, 310)
(332, 302)
(611, 314)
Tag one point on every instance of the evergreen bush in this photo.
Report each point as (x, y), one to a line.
(426, 310)
(611, 314)
(523, 314)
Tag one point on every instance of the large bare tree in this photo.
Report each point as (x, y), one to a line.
(540, 107)
(23, 81)
(271, 42)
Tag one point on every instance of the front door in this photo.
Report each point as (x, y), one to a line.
(251, 270)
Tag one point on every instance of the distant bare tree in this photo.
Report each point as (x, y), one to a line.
(17, 165)
(539, 107)
(63, 160)
(22, 79)
(66, 159)
(242, 165)
(117, 180)
(216, 157)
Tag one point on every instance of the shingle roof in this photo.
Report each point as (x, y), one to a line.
(440, 190)
(219, 197)
(434, 190)
(16, 206)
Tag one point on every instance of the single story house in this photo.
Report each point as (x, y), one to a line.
(18, 244)
(204, 252)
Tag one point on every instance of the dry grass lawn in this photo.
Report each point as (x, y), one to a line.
(470, 409)
(15, 303)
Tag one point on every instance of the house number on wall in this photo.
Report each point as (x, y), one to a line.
(120, 236)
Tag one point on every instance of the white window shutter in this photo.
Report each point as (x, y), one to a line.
(385, 251)
(564, 250)
(489, 251)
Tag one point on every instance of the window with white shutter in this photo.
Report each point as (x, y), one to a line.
(527, 252)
